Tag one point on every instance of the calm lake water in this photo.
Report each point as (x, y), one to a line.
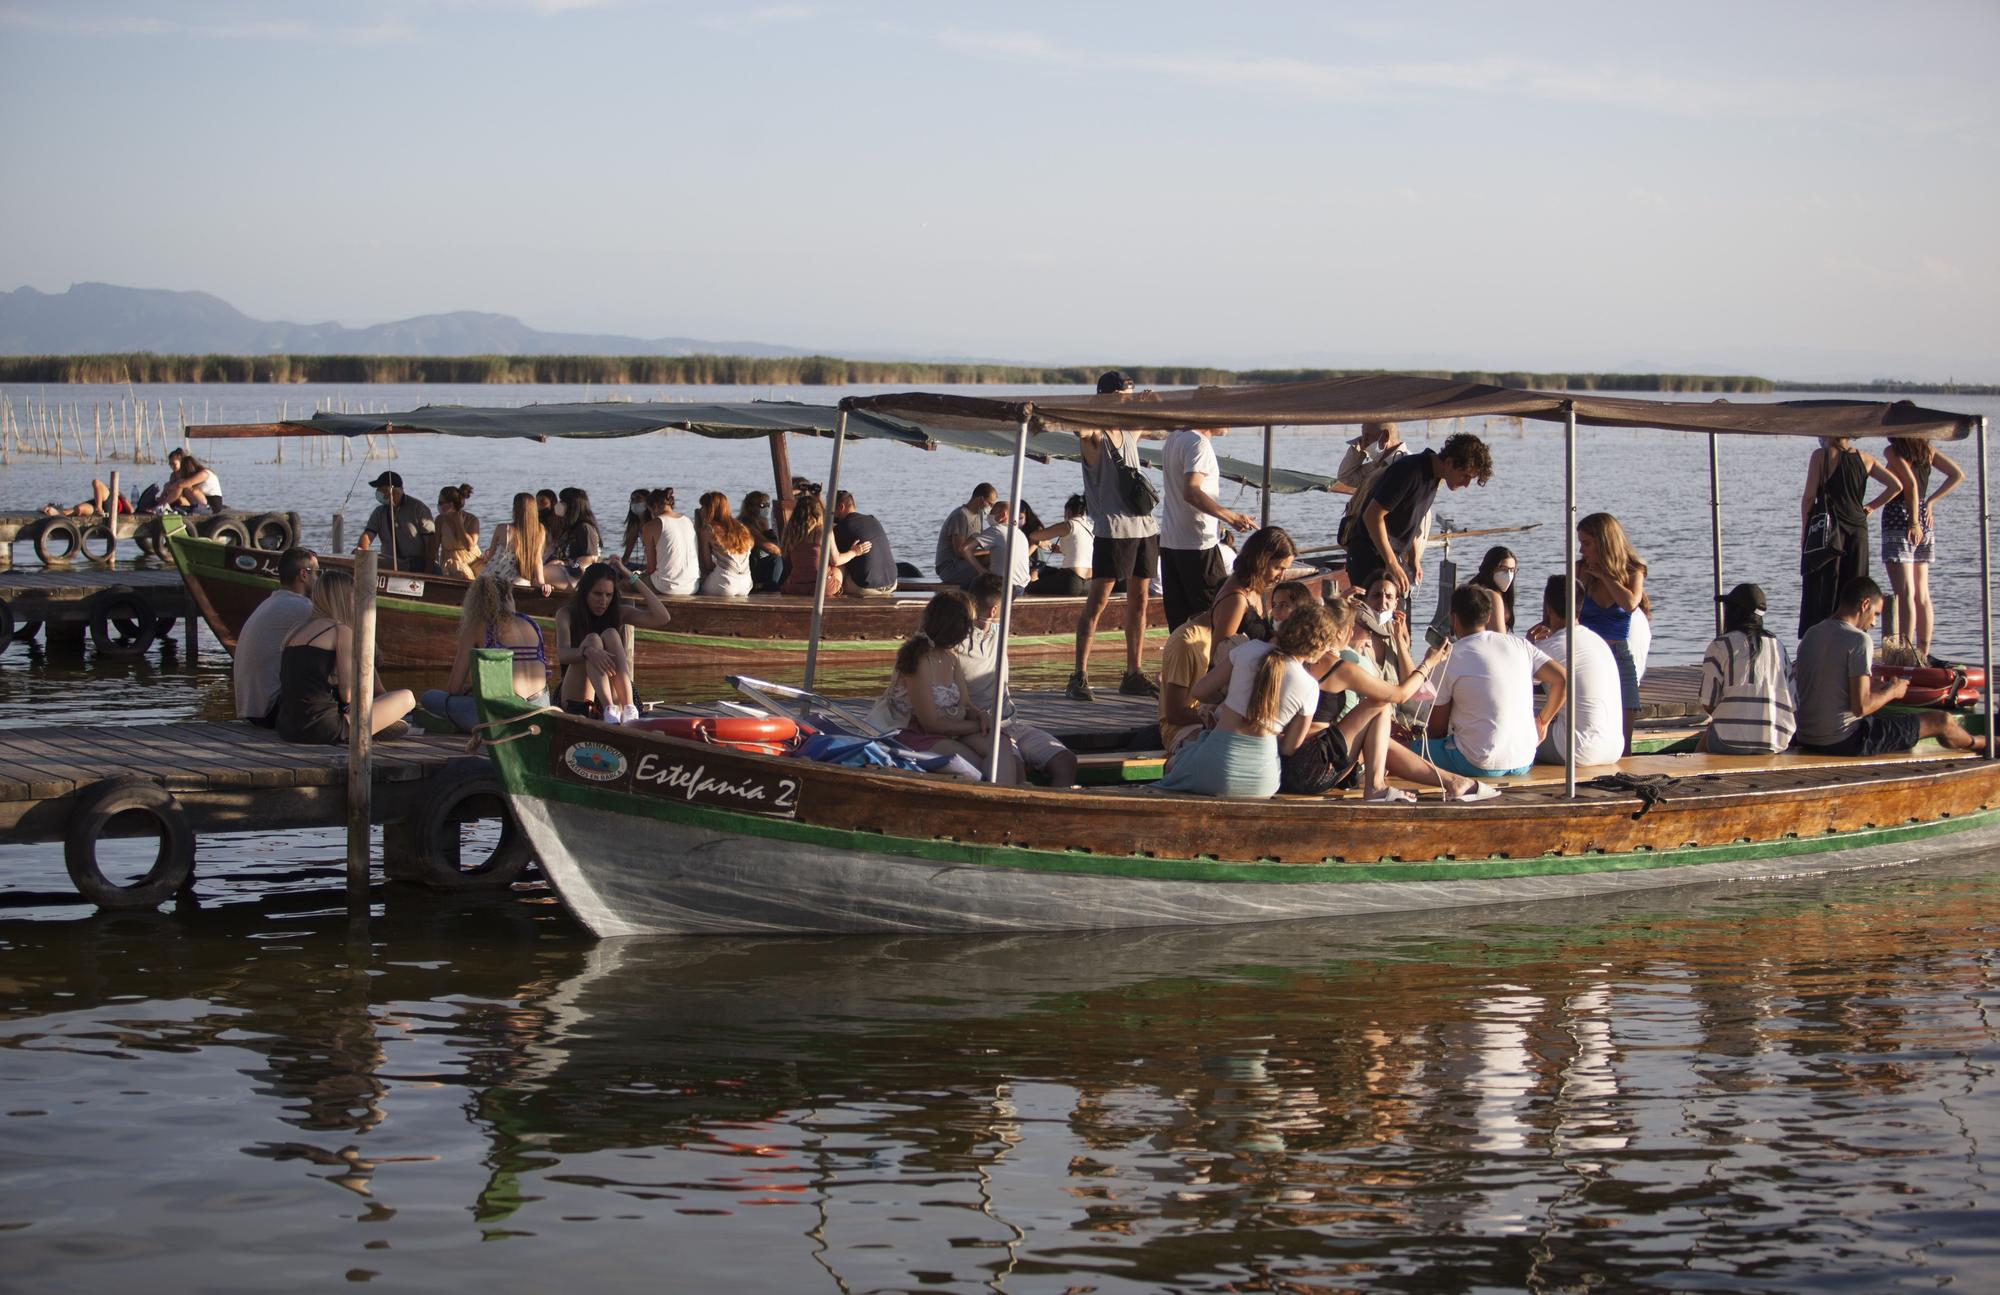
(1778, 1087)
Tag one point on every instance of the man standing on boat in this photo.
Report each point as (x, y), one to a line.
(1368, 456)
(1127, 547)
(873, 574)
(1384, 543)
(1192, 569)
(955, 562)
(413, 524)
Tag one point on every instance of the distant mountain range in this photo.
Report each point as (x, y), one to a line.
(102, 318)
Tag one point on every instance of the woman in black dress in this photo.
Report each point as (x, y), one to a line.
(314, 692)
(1836, 479)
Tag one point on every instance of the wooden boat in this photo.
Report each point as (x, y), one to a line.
(643, 833)
(418, 618)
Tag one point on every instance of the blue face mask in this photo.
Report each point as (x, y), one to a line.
(381, 496)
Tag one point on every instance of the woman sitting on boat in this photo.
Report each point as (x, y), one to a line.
(1497, 572)
(580, 542)
(314, 670)
(458, 536)
(767, 566)
(926, 706)
(1265, 703)
(1611, 577)
(672, 565)
(1067, 573)
(488, 620)
(725, 548)
(590, 642)
(1243, 604)
(515, 554)
(1746, 682)
(803, 535)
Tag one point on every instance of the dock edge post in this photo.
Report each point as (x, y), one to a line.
(360, 709)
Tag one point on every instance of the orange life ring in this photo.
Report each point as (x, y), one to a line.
(765, 734)
(1943, 687)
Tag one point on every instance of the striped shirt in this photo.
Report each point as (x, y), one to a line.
(1746, 687)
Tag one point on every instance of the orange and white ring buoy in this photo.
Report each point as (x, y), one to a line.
(765, 733)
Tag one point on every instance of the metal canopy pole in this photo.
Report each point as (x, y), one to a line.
(825, 546)
(1569, 596)
(1986, 590)
(1715, 522)
(1014, 536)
(1264, 516)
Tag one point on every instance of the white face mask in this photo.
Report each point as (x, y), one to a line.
(1503, 580)
(638, 510)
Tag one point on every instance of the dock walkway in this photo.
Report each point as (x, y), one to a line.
(125, 609)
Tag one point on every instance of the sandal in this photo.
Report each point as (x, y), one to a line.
(1480, 791)
(1388, 796)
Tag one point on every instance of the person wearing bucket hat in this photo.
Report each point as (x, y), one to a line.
(409, 520)
(1746, 681)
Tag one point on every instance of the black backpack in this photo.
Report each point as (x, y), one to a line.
(1140, 497)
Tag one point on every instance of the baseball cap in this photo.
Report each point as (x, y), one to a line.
(388, 479)
(1746, 595)
(1113, 381)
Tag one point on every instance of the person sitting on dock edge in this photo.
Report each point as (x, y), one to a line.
(261, 644)
(414, 526)
(1126, 546)
(1840, 705)
(315, 689)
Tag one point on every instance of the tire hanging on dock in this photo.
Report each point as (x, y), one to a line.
(272, 532)
(91, 814)
(227, 530)
(104, 530)
(122, 624)
(465, 789)
(52, 530)
(6, 625)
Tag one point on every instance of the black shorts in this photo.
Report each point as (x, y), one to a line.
(1883, 733)
(1189, 581)
(1319, 765)
(1124, 559)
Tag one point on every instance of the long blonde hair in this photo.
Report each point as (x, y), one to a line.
(1613, 548)
(1307, 634)
(526, 541)
(333, 595)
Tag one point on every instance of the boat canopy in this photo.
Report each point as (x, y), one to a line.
(722, 420)
(1395, 397)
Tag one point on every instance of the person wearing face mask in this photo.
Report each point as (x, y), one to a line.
(637, 514)
(409, 520)
(957, 538)
(1496, 575)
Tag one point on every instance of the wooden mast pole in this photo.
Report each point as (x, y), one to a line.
(825, 546)
(360, 708)
(781, 474)
(1264, 514)
(1715, 522)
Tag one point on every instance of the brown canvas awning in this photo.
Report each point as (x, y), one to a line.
(1395, 397)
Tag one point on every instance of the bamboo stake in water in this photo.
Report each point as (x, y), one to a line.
(360, 709)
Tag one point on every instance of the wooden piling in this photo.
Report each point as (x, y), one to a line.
(111, 522)
(339, 534)
(360, 708)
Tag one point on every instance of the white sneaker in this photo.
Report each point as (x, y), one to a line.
(629, 715)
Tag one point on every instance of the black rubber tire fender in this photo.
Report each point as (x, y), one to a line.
(53, 529)
(461, 784)
(271, 532)
(98, 529)
(6, 625)
(122, 624)
(92, 812)
(150, 538)
(227, 530)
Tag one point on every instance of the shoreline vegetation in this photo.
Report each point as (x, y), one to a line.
(812, 371)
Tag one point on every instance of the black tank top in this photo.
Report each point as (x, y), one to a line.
(1846, 485)
(309, 707)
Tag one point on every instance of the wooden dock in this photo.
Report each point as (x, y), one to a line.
(125, 609)
(233, 777)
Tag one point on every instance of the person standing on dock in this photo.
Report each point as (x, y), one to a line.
(261, 644)
(1385, 540)
(413, 525)
(1192, 568)
(1126, 546)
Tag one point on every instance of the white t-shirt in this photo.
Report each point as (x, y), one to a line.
(1073, 545)
(1593, 690)
(1639, 641)
(209, 484)
(680, 567)
(994, 540)
(1489, 682)
(1300, 691)
(1181, 526)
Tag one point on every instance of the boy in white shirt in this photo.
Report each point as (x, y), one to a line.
(1594, 691)
(1484, 724)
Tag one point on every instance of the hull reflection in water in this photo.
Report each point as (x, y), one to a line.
(1780, 1085)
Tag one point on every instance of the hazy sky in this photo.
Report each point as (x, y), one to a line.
(1806, 188)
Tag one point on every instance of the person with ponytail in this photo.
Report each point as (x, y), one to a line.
(927, 705)
(516, 552)
(1266, 704)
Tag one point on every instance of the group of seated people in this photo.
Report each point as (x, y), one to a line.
(980, 537)
(191, 487)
